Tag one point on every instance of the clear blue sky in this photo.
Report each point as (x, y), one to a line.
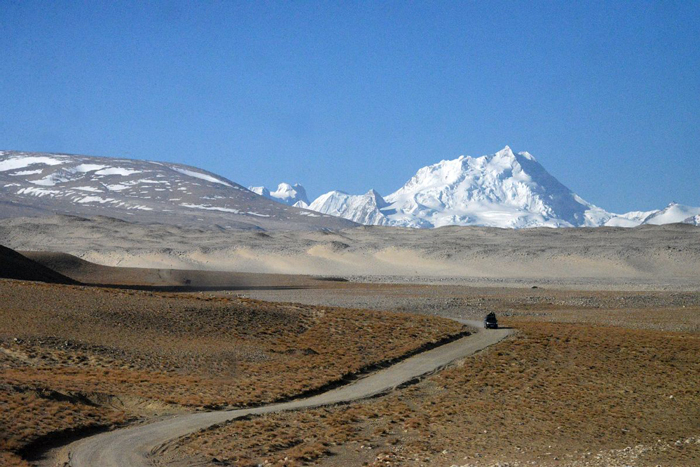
(359, 95)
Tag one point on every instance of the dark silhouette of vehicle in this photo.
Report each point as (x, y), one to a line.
(490, 322)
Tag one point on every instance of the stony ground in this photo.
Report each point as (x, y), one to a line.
(79, 358)
(591, 379)
(553, 395)
(660, 310)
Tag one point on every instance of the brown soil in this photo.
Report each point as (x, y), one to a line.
(553, 395)
(75, 357)
(660, 310)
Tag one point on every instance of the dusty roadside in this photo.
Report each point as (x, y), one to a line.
(587, 382)
(552, 395)
(140, 446)
(76, 358)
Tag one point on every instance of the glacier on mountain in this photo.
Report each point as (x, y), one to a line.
(291, 195)
(499, 190)
(504, 189)
(363, 209)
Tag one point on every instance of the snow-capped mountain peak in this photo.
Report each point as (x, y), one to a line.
(673, 213)
(260, 190)
(291, 195)
(365, 209)
(503, 189)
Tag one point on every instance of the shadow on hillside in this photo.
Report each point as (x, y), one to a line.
(196, 288)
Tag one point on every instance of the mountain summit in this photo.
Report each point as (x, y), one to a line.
(363, 209)
(674, 213)
(503, 189)
(291, 195)
(500, 190)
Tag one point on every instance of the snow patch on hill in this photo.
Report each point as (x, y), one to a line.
(45, 184)
(14, 162)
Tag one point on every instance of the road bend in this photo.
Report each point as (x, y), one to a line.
(133, 446)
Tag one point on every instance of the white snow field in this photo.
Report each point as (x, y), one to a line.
(673, 213)
(291, 195)
(363, 209)
(504, 189)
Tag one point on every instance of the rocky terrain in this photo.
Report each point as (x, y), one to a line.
(76, 359)
(592, 379)
(43, 184)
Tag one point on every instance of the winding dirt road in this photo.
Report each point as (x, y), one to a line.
(132, 446)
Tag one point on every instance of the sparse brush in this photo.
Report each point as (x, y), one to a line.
(175, 351)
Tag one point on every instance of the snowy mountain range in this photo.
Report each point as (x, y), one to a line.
(365, 209)
(504, 189)
(695, 220)
(40, 184)
(291, 195)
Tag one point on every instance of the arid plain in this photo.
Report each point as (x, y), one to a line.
(603, 368)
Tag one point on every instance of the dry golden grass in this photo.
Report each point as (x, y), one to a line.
(666, 311)
(27, 415)
(551, 394)
(9, 459)
(69, 355)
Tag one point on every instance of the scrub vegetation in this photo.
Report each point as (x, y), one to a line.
(76, 358)
(555, 394)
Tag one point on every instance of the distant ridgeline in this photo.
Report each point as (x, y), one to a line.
(40, 184)
(504, 189)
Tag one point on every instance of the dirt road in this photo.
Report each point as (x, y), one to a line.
(131, 447)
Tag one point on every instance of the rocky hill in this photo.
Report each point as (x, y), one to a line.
(41, 184)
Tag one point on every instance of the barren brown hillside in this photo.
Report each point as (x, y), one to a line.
(74, 357)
